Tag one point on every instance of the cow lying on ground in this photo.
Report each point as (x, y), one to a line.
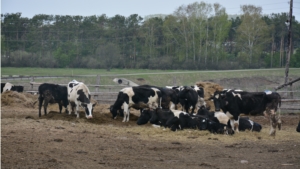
(214, 125)
(8, 86)
(137, 96)
(52, 93)
(244, 122)
(236, 102)
(79, 95)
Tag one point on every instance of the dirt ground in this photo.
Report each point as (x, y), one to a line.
(63, 141)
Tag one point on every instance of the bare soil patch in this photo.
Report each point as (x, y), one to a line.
(63, 141)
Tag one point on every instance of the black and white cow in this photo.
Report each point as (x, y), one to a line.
(161, 116)
(244, 122)
(200, 92)
(169, 97)
(79, 95)
(188, 98)
(236, 102)
(214, 124)
(138, 97)
(298, 128)
(8, 86)
(52, 93)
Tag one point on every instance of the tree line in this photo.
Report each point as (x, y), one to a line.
(196, 36)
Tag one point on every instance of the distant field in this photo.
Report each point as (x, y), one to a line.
(144, 76)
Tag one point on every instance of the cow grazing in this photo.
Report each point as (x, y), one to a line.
(52, 93)
(188, 97)
(79, 95)
(298, 128)
(138, 97)
(236, 102)
(8, 86)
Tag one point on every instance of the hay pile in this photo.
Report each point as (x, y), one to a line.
(13, 98)
(209, 89)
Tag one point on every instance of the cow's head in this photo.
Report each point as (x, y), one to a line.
(218, 99)
(88, 109)
(145, 116)
(154, 117)
(113, 111)
(173, 123)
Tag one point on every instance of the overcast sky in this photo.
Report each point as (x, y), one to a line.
(29, 8)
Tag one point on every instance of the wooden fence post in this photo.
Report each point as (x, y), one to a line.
(97, 87)
(32, 80)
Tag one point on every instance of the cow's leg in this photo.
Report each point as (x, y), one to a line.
(279, 122)
(60, 107)
(70, 108)
(236, 123)
(275, 120)
(40, 105)
(45, 106)
(126, 112)
(76, 111)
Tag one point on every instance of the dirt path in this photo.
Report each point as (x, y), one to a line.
(62, 141)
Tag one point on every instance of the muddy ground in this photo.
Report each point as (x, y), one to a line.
(63, 141)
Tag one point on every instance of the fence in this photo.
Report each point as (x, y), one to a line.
(107, 94)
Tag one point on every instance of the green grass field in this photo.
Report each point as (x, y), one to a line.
(153, 77)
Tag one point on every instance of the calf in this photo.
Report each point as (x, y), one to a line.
(246, 124)
(79, 95)
(138, 97)
(8, 86)
(52, 93)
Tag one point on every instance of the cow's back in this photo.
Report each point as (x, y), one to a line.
(59, 93)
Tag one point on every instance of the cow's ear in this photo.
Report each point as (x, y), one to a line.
(94, 104)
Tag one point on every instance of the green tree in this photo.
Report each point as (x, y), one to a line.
(252, 34)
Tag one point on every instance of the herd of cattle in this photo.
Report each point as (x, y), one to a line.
(159, 106)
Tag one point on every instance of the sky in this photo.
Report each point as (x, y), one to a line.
(29, 8)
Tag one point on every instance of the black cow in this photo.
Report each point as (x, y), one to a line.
(52, 93)
(236, 102)
(188, 97)
(145, 116)
(8, 86)
(138, 97)
(298, 128)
